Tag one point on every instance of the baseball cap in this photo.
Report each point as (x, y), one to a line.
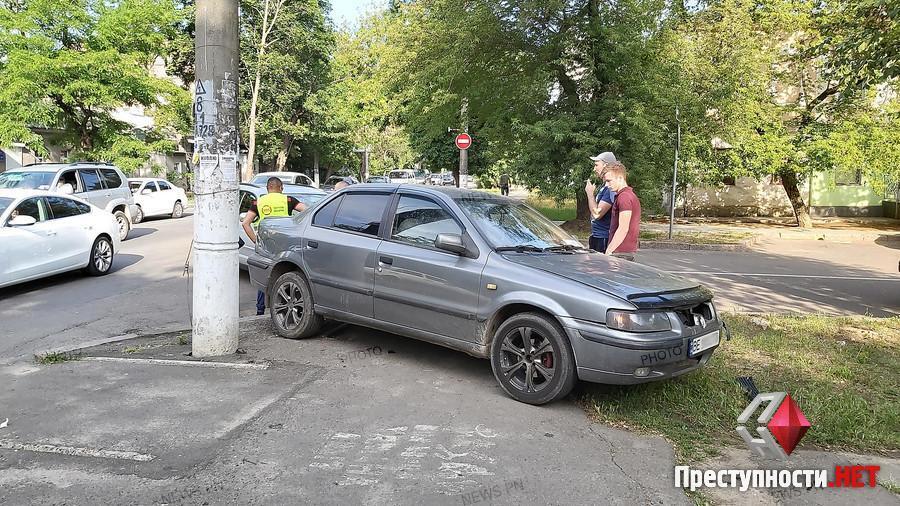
(606, 156)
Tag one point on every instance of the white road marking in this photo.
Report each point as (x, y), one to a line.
(76, 451)
(188, 363)
(772, 275)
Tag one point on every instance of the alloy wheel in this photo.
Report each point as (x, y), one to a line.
(527, 359)
(288, 305)
(103, 256)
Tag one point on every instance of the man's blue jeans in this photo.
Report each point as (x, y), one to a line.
(260, 302)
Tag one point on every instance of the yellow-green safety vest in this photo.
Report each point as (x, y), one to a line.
(271, 204)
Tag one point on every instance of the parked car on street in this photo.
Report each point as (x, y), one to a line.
(333, 180)
(402, 176)
(422, 176)
(250, 192)
(156, 197)
(100, 184)
(486, 275)
(44, 233)
(443, 179)
(378, 179)
(296, 178)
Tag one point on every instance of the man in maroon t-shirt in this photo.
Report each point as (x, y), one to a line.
(626, 213)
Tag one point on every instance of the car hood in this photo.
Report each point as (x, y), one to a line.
(641, 285)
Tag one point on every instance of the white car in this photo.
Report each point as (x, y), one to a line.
(44, 233)
(403, 176)
(296, 178)
(156, 197)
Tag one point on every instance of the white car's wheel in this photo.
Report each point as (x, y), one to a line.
(178, 210)
(138, 216)
(124, 224)
(101, 257)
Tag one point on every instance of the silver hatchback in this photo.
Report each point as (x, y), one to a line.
(485, 275)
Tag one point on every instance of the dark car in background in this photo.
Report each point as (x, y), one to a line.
(486, 275)
(329, 183)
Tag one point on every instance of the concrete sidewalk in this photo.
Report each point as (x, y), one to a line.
(352, 417)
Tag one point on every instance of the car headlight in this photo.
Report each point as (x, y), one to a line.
(637, 322)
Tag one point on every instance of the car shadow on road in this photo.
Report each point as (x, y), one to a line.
(124, 260)
(140, 232)
(888, 241)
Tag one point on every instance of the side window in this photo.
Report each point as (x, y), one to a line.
(91, 180)
(69, 177)
(150, 186)
(361, 212)
(111, 178)
(325, 216)
(64, 208)
(246, 201)
(34, 207)
(419, 220)
(163, 185)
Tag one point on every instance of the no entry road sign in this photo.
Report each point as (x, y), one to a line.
(463, 141)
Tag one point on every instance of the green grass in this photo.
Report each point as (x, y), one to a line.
(842, 372)
(890, 487)
(183, 339)
(564, 211)
(54, 358)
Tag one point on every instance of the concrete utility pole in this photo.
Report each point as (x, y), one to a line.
(675, 172)
(215, 298)
(464, 153)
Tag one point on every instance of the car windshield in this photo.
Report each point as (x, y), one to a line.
(4, 203)
(135, 185)
(512, 225)
(265, 179)
(24, 179)
(308, 199)
(400, 174)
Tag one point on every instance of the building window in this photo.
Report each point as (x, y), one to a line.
(851, 177)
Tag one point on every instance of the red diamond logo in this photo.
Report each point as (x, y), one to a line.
(788, 425)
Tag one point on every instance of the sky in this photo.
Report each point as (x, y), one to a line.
(350, 11)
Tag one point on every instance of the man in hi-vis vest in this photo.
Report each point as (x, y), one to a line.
(274, 203)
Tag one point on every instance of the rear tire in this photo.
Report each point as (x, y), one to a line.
(291, 307)
(178, 210)
(139, 217)
(102, 256)
(532, 359)
(124, 224)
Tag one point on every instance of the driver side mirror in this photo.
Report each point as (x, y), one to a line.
(145, 191)
(450, 242)
(22, 221)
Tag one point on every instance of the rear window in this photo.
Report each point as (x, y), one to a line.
(361, 212)
(63, 207)
(111, 178)
(163, 185)
(135, 185)
(91, 180)
(24, 179)
(400, 174)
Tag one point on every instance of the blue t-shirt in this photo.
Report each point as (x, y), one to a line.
(600, 228)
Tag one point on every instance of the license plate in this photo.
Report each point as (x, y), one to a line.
(700, 344)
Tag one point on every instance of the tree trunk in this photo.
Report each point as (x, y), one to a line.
(247, 173)
(582, 211)
(316, 167)
(792, 188)
(287, 142)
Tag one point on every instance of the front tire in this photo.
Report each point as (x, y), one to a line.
(102, 256)
(139, 216)
(124, 224)
(532, 359)
(291, 307)
(178, 210)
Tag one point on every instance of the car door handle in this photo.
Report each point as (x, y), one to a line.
(51, 233)
(386, 260)
(312, 244)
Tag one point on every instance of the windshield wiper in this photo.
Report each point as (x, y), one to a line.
(522, 248)
(565, 247)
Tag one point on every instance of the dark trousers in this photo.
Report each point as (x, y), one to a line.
(260, 302)
(598, 243)
(504, 190)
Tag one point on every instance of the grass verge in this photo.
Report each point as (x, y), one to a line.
(842, 372)
(697, 237)
(54, 358)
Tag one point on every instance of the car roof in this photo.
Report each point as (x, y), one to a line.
(449, 191)
(24, 193)
(58, 166)
(288, 188)
(282, 173)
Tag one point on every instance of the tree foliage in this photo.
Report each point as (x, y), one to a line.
(68, 65)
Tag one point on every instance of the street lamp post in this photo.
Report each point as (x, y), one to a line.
(675, 172)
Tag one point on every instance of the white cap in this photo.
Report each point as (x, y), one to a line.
(606, 156)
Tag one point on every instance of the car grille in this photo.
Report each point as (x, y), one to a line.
(697, 316)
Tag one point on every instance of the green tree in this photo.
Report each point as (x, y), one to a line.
(70, 64)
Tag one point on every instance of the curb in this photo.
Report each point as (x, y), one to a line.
(744, 245)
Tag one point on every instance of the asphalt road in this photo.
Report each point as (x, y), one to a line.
(145, 291)
(148, 292)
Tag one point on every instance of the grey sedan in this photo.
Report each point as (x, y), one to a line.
(485, 275)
